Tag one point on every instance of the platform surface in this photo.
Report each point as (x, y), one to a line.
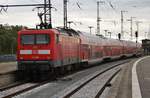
(133, 81)
(8, 67)
(143, 73)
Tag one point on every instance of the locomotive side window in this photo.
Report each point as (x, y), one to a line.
(42, 39)
(27, 39)
(57, 38)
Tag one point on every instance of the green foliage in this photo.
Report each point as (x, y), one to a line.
(8, 39)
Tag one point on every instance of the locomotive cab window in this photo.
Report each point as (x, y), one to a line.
(32, 39)
(27, 39)
(42, 39)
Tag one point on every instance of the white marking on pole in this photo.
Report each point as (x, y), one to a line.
(136, 91)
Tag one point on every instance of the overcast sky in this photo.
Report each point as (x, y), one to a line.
(87, 14)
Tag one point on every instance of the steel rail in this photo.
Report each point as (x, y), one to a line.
(11, 86)
(106, 84)
(25, 90)
(89, 80)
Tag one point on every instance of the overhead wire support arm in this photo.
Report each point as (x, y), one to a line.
(46, 13)
(5, 7)
(23, 5)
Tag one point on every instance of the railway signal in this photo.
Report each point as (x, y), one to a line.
(137, 24)
(119, 36)
(136, 35)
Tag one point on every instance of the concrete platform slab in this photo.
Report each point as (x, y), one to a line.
(7, 67)
(143, 72)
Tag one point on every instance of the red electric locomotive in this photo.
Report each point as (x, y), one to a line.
(45, 50)
(50, 49)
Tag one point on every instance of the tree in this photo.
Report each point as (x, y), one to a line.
(8, 38)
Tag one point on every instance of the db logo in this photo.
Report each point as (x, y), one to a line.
(34, 51)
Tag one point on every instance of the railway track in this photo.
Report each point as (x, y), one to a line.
(3, 88)
(8, 79)
(84, 91)
(93, 86)
(18, 89)
(13, 86)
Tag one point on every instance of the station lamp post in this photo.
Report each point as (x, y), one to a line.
(131, 26)
(90, 27)
(106, 31)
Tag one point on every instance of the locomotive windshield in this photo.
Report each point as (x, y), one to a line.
(33, 39)
(27, 39)
(42, 39)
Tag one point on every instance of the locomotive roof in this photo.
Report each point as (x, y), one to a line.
(69, 32)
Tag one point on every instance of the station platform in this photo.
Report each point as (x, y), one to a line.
(143, 74)
(7, 67)
(133, 81)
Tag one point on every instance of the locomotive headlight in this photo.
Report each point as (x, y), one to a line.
(44, 52)
(25, 51)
